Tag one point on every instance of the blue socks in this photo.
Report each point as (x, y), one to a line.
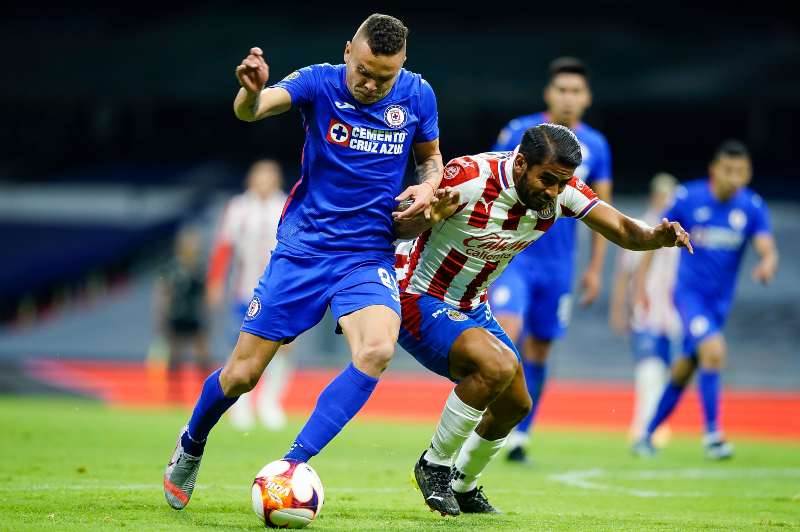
(535, 375)
(672, 393)
(336, 405)
(708, 382)
(209, 408)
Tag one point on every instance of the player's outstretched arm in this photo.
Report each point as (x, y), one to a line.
(768, 265)
(443, 205)
(633, 234)
(254, 102)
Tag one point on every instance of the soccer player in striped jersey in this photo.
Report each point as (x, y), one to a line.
(535, 307)
(506, 201)
(246, 236)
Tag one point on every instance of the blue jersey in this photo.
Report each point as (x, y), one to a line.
(354, 159)
(557, 247)
(720, 232)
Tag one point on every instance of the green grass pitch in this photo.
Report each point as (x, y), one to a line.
(78, 465)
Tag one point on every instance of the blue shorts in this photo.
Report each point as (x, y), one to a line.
(430, 326)
(542, 298)
(297, 288)
(701, 316)
(646, 344)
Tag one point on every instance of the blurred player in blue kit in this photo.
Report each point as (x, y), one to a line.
(361, 119)
(723, 216)
(532, 300)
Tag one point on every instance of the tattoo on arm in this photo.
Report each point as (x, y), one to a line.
(430, 169)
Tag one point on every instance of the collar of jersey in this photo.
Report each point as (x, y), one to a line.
(506, 171)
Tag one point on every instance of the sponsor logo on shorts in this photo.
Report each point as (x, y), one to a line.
(253, 309)
(451, 313)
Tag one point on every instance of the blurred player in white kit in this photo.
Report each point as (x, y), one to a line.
(246, 238)
(642, 306)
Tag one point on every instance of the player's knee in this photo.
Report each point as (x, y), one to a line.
(498, 367)
(521, 407)
(237, 379)
(374, 357)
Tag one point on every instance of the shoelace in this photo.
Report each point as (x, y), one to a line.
(482, 498)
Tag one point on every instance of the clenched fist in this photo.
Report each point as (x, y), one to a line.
(253, 73)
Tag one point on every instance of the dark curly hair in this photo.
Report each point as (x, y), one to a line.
(551, 142)
(385, 34)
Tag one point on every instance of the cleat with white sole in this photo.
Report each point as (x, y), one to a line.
(180, 476)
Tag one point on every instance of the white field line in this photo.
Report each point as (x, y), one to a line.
(590, 479)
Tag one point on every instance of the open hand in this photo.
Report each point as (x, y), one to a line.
(422, 195)
(253, 73)
(672, 234)
(444, 204)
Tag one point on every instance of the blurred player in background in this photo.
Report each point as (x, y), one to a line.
(724, 216)
(506, 202)
(180, 310)
(648, 314)
(246, 237)
(533, 298)
(335, 249)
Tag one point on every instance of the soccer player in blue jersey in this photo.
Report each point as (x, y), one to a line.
(361, 118)
(532, 300)
(724, 216)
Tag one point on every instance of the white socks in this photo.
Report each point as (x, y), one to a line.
(275, 379)
(458, 421)
(475, 455)
(517, 438)
(650, 377)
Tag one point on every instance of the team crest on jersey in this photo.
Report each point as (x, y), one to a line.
(451, 170)
(293, 75)
(253, 309)
(548, 212)
(338, 133)
(395, 116)
(738, 219)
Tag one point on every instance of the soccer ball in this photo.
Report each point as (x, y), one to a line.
(287, 494)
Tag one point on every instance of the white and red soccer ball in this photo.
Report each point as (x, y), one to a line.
(287, 494)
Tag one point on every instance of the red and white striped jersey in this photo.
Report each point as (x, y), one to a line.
(458, 258)
(248, 233)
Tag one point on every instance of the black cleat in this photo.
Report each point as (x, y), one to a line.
(518, 455)
(474, 502)
(434, 483)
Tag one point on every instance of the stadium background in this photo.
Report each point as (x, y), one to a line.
(118, 130)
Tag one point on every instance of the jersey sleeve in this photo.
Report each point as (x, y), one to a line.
(464, 175)
(677, 211)
(507, 137)
(601, 171)
(760, 222)
(302, 85)
(428, 128)
(577, 199)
